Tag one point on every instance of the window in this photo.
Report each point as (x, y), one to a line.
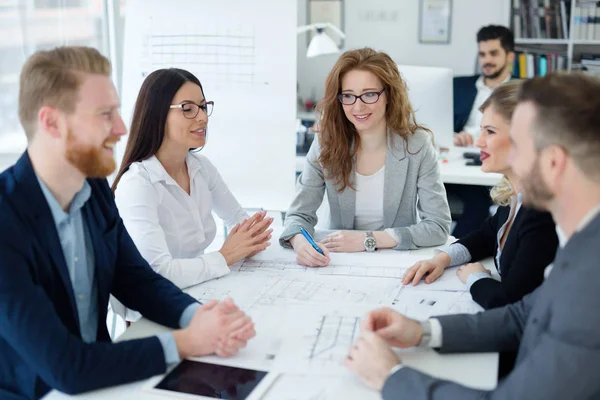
(27, 26)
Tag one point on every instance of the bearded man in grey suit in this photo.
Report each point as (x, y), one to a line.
(555, 133)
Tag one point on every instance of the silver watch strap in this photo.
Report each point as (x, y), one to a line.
(426, 337)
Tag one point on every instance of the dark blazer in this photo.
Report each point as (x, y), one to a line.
(464, 96)
(529, 248)
(40, 343)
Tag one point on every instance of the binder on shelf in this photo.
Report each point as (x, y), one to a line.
(522, 66)
(564, 18)
(543, 66)
(538, 63)
(586, 18)
(540, 19)
(591, 23)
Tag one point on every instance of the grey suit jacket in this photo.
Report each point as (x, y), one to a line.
(412, 182)
(556, 330)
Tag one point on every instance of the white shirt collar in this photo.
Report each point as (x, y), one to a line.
(157, 172)
(480, 83)
(563, 239)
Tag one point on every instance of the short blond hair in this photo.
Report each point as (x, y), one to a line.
(52, 78)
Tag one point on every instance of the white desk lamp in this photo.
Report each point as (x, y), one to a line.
(321, 43)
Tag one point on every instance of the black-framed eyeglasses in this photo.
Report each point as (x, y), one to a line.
(191, 110)
(348, 99)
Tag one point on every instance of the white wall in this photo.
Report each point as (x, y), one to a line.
(399, 37)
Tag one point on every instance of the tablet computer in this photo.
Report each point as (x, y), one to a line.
(194, 379)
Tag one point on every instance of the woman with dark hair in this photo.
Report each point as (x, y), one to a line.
(166, 191)
(376, 163)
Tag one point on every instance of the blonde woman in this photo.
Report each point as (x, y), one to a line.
(376, 163)
(522, 240)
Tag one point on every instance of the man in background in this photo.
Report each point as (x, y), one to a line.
(495, 56)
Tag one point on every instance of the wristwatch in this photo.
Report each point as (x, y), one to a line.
(426, 337)
(370, 242)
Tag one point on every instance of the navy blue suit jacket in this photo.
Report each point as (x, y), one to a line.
(465, 92)
(40, 343)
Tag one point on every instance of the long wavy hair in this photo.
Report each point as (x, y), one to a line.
(339, 139)
(150, 115)
(504, 100)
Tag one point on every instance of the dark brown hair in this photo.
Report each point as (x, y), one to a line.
(150, 115)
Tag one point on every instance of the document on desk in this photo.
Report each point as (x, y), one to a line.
(414, 302)
(293, 289)
(387, 264)
(276, 266)
(261, 351)
(309, 387)
(319, 339)
(447, 282)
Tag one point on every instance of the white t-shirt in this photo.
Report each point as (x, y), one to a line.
(368, 214)
(473, 124)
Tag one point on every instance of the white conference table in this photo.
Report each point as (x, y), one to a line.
(453, 169)
(475, 370)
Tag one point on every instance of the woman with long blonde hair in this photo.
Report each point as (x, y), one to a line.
(522, 240)
(376, 163)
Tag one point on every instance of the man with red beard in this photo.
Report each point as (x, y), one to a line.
(555, 132)
(64, 249)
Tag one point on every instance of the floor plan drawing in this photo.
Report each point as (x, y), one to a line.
(333, 337)
(275, 266)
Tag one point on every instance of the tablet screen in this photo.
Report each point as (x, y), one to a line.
(211, 380)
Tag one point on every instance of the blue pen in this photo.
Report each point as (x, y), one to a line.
(311, 241)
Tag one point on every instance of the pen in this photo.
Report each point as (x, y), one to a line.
(311, 241)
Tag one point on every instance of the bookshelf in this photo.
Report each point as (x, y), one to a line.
(557, 31)
(541, 41)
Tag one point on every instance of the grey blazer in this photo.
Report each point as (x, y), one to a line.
(556, 330)
(412, 182)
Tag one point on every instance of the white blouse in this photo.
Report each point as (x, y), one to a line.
(368, 212)
(170, 228)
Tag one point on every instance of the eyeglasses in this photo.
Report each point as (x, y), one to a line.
(191, 110)
(348, 99)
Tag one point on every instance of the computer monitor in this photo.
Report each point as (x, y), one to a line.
(430, 93)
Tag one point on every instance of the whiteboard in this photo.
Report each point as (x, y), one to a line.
(244, 54)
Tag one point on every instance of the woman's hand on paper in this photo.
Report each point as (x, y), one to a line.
(345, 241)
(306, 255)
(247, 238)
(430, 269)
(467, 269)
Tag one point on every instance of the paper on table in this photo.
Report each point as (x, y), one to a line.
(281, 288)
(423, 304)
(307, 387)
(322, 337)
(261, 351)
(447, 282)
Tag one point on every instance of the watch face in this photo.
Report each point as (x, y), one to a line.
(370, 243)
